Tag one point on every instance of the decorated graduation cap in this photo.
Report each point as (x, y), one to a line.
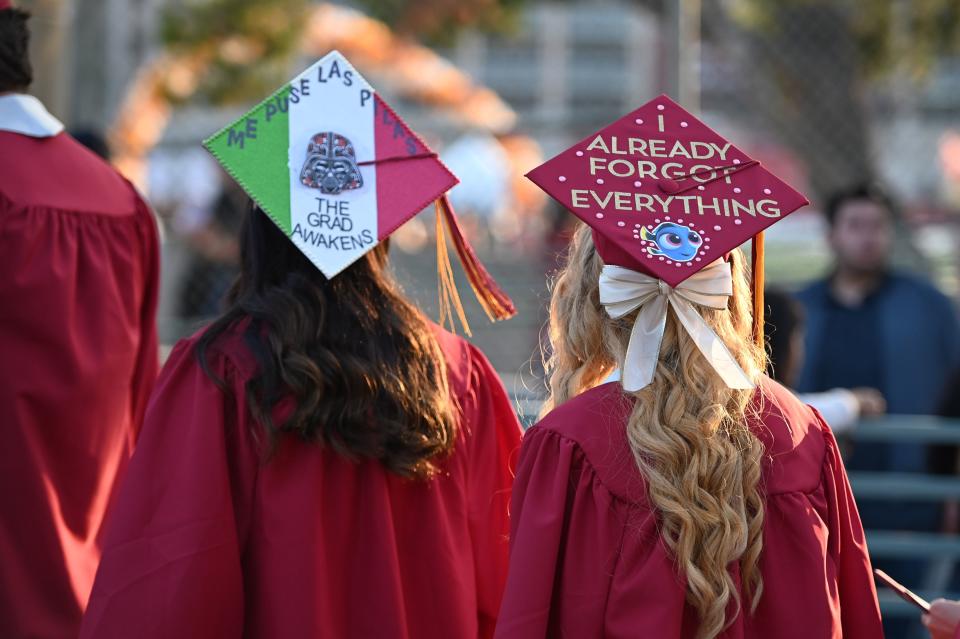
(667, 199)
(338, 171)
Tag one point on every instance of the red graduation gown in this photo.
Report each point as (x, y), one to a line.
(208, 541)
(78, 357)
(586, 559)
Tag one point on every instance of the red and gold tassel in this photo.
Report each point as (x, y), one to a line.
(495, 302)
(446, 285)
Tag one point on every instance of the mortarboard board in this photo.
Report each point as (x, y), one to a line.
(666, 196)
(338, 171)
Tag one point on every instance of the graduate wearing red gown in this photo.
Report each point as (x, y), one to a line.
(321, 461)
(687, 496)
(210, 541)
(78, 357)
(587, 561)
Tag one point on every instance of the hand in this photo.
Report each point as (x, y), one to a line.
(943, 619)
(871, 401)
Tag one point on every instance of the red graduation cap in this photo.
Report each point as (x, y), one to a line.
(665, 194)
(5, 4)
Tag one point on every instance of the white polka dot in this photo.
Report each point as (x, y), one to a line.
(639, 121)
(679, 264)
(736, 189)
(679, 221)
(701, 188)
(667, 218)
(716, 228)
(636, 226)
(698, 259)
(660, 107)
(683, 124)
(562, 178)
(649, 257)
(621, 223)
(579, 154)
(599, 180)
(736, 161)
(599, 216)
(689, 263)
(637, 184)
(669, 261)
(737, 221)
(662, 258)
(767, 191)
(658, 221)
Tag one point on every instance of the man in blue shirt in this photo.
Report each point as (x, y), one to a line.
(871, 326)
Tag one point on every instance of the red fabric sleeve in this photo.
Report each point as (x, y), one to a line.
(171, 564)
(546, 474)
(148, 355)
(847, 547)
(494, 439)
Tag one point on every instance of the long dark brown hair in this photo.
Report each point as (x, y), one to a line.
(364, 370)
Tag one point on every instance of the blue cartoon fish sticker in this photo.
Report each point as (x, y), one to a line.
(674, 241)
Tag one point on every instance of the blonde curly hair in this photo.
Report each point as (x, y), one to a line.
(688, 432)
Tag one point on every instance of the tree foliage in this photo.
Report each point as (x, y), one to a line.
(904, 35)
(251, 43)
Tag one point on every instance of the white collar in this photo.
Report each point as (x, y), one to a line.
(26, 115)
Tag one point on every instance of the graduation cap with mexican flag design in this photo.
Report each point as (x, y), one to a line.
(338, 171)
(665, 195)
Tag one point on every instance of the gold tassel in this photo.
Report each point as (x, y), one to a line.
(446, 284)
(756, 267)
(494, 301)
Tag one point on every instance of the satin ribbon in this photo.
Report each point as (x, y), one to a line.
(622, 291)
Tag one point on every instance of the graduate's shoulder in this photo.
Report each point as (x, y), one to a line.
(85, 184)
(232, 347)
(463, 360)
(603, 409)
(227, 352)
(794, 437)
(595, 422)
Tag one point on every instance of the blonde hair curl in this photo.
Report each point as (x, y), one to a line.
(688, 432)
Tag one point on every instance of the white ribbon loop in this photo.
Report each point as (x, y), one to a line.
(622, 291)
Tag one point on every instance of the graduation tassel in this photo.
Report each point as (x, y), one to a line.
(756, 268)
(446, 285)
(495, 302)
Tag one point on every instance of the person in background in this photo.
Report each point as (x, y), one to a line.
(93, 140)
(215, 258)
(869, 325)
(78, 296)
(841, 408)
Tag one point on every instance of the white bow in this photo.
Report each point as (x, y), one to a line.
(623, 290)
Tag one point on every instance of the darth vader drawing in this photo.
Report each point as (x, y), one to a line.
(331, 164)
